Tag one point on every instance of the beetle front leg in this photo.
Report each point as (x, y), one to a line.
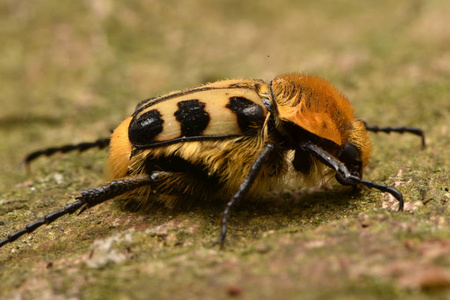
(345, 177)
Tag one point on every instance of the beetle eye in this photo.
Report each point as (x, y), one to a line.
(351, 157)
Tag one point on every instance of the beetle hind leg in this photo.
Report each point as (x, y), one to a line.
(174, 190)
(88, 198)
(100, 144)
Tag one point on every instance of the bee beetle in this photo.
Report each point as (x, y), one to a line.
(228, 139)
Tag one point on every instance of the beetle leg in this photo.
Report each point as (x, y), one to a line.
(345, 177)
(88, 198)
(100, 143)
(399, 129)
(244, 188)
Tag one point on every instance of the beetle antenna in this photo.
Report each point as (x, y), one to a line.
(88, 198)
(345, 176)
(100, 143)
(399, 129)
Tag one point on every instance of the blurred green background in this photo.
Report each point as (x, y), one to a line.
(72, 70)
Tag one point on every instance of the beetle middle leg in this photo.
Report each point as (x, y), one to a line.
(244, 188)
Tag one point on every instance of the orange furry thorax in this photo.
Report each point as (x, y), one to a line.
(315, 105)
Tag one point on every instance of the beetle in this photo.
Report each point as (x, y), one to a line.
(228, 139)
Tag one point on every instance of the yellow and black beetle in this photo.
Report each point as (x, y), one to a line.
(230, 138)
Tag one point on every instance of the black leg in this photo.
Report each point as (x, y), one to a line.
(326, 158)
(87, 199)
(384, 188)
(399, 129)
(244, 188)
(101, 143)
(344, 175)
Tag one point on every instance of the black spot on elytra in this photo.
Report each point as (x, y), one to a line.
(144, 129)
(250, 115)
(192, 116)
